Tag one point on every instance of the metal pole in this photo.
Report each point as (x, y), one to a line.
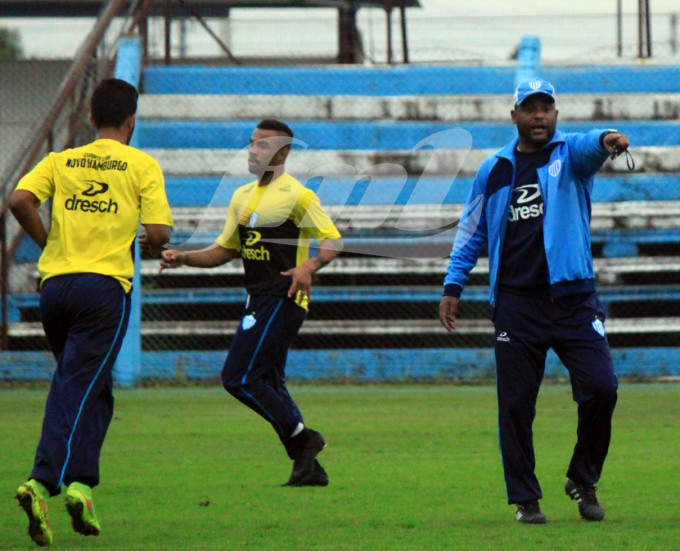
(168, 24)
(388, 11)
(404, 38)
(640, 27)
(619, 29)
(4, 269)
(648, 21)
(144, 34)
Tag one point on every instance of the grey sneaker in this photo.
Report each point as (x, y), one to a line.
(529, 513)
(585, 495)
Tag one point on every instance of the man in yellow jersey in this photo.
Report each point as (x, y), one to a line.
(269, 224)
(99, 193)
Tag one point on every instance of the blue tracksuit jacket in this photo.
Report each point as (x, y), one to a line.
(566, 184)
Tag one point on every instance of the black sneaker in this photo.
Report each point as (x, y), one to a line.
(529, 513)
(307, 446)
(318, 477)
(585, 496)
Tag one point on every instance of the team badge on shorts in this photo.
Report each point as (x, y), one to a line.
(598, 326)
(248, 322)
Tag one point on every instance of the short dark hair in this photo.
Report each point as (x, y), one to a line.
(113, 100)
(276, 126)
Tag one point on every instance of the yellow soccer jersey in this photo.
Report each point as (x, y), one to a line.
(272, 226)
(99, 193)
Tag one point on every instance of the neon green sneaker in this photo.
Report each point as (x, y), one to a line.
(79, 505)
(33, 496)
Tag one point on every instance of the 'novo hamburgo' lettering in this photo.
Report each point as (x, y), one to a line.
(97, 164)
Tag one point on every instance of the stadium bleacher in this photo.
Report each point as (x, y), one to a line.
(365, 147)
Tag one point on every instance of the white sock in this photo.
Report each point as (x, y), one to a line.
(300, 427)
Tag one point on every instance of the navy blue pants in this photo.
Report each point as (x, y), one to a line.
(573, 327)
(85, 318)
(254, 371)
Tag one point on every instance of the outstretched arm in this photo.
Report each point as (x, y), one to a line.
(212, 256)
(616, 143)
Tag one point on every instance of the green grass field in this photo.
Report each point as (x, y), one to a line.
(411, 467)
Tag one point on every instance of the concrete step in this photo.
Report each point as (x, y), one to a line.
(450, 108)
(451, 163)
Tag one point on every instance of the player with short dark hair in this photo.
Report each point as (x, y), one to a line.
(113, 100)
(99, 193)
(277, 126)
(269, 224)
(533, 214)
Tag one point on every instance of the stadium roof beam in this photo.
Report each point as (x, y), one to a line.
(349, 41)
(207, 8)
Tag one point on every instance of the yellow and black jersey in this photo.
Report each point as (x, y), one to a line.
(272, 226)
(99, 193)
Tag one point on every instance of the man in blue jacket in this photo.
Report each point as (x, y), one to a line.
(530, 205)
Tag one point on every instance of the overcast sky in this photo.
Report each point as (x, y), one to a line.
(440, 26)
(542, 7)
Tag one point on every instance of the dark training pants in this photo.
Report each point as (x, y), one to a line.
(526, 328)
(254, 371)
(85, 318)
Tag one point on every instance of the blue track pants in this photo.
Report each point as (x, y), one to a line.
(85, 318)
(254, 371)
(573, 327)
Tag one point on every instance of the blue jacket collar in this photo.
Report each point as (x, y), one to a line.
(508, 152)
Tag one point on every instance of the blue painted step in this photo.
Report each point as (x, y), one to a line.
(231, 295)
(200, 192)
(377, 136)
(411, 80)
(354, 363)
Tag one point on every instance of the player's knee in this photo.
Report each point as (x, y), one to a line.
(232, 375)
(601, 390)
(232, 384)
(605, 390)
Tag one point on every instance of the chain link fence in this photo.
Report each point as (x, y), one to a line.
(391, 202)
(27, 94)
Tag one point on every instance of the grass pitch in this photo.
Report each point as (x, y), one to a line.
(411, 467)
